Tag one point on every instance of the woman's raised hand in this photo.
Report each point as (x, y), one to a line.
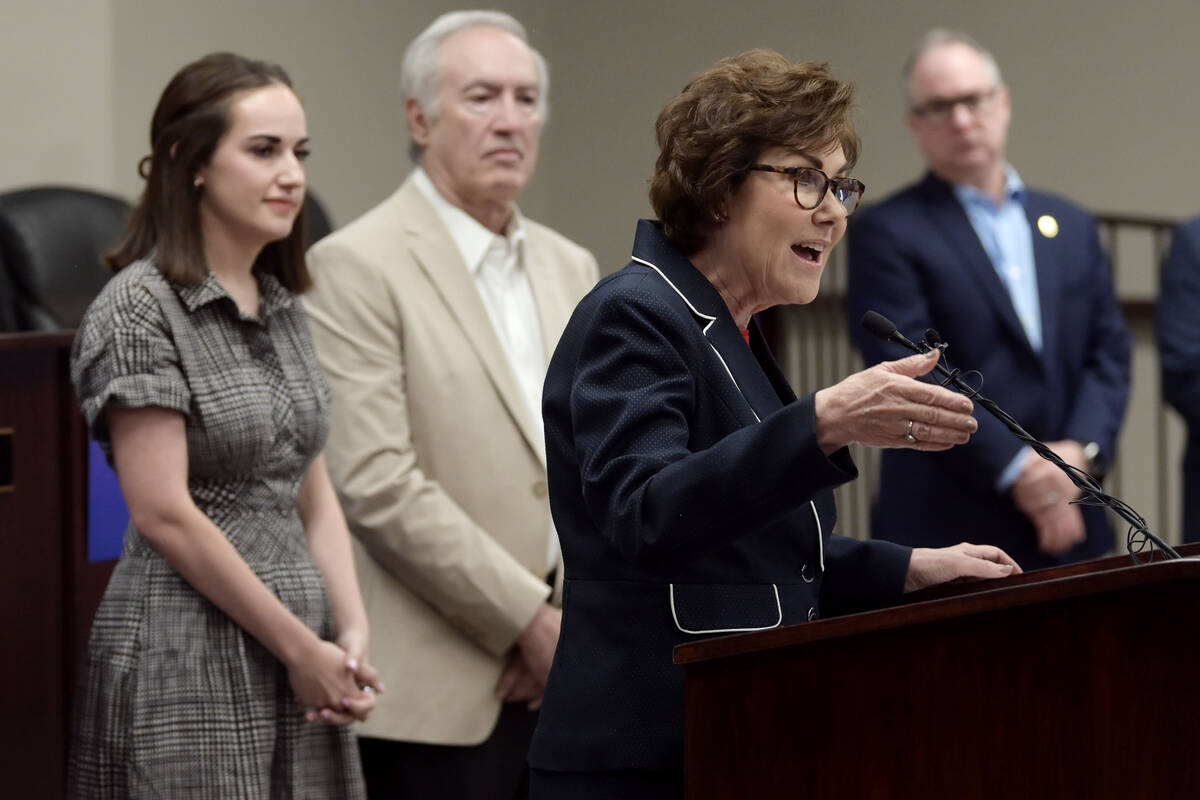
(885, 406)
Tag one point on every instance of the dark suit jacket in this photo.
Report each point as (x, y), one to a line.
(691, 499)
(916, 259)
(1179, 351)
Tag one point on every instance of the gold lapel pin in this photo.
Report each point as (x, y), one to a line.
(1048, 225)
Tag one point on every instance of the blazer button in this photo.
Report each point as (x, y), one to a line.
(540, 489)
(812, 613)
(806, 574)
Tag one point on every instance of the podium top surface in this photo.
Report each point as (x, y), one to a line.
(958, 600)
(37, 340)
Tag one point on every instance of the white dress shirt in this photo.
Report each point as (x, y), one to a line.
(497, 264)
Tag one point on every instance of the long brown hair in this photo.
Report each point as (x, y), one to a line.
(191, 117)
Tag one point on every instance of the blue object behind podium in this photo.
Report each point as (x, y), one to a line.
(108, 517)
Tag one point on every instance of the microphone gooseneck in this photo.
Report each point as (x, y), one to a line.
(1092, 494)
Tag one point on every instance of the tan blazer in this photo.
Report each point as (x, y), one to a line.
(432, 453)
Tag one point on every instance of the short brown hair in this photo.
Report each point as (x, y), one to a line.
(191, 117)
(717, 127)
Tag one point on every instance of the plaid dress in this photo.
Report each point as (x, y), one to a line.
(175, 700)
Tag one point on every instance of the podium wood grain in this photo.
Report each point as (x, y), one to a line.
(1071, 682)
(48, 589)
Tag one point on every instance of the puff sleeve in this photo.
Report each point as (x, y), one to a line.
(125, 354)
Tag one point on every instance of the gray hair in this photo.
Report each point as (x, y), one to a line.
(421, 73)
(939, 37)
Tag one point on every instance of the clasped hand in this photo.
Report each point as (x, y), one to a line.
(1043, 493)
(528, 668)
(334, 683)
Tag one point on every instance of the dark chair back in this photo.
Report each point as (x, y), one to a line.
(319, 224)
(8, 302)
(51, 241)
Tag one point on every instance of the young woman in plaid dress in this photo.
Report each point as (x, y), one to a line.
(230, 649)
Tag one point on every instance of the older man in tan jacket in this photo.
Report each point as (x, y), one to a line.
(434, 316)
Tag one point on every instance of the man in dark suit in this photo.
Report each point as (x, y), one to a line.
(1179, 355)
(1017, 283)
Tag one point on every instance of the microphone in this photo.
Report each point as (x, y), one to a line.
(885, 329)
(1092, 493)
(882, 327)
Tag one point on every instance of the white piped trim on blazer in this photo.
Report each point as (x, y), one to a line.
(816, 516)
(778, 620)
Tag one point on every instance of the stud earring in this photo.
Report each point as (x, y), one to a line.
(197, 181)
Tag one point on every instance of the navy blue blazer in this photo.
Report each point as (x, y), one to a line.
(691, 499)
(1179, 356)
(916, 259)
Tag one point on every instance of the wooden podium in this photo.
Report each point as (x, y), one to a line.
(1074, 682)
(48, 589)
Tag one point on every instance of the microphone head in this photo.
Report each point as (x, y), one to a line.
(933, 337)
(885, 329)
(879, 325)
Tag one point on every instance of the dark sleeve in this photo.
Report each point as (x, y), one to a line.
(862, 575)
(634, 405)
(1103, 389)
(1179, 323)
(888, 275)
(124, 354)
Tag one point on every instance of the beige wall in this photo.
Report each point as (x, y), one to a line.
(56, 93)
(1105, 104)
(1103, 90)
(343, 57)
(1104, 93)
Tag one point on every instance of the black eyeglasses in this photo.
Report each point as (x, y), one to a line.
(939, 110)
(810, 184)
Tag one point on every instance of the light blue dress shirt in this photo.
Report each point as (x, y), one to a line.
(1004, 231)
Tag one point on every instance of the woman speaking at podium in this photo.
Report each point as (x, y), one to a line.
(691, 489)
